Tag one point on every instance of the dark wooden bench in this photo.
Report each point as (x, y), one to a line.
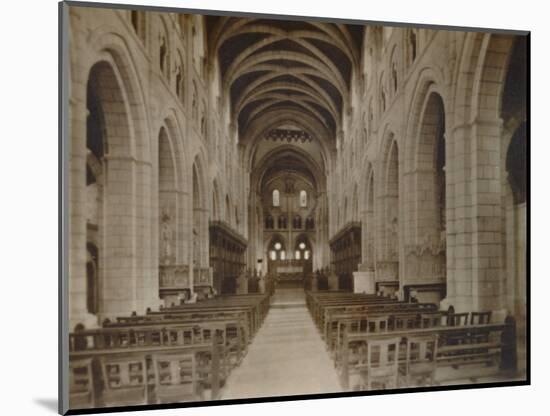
(369, 321)
(124, 350)
(235, 330)
(353, 352)
(397, 310)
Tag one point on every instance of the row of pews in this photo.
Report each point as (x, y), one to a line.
(378, 342)
(177, 354)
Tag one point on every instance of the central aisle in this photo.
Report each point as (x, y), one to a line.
(287, 356)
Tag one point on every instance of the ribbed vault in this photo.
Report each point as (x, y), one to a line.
(269, 66)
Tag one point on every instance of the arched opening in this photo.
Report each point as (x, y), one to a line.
(370, 226)
(164, 55)
(276, 198)
(394, 80)
(387, 268)
(197, 32)
(203, 119)
(440, 173)
(287, 193)
(297, 222)
(107, 134)
(196, 219)
(95, 143)
(516, 164)
(137, 18)
(514, 150)
(392, 204)
(92, 262)
(430, 156)
(201, 274)
(269, 224)
(180, 79)
(276, 250)
(215, 214)
(428, 259)
(355, 205)
(303, 253)
(345, 214)
(370, 120)
(167, 203)
(227, 209)
(303, 199)
(282, 222)
(195, 103)
(515, 219)
(412, 46)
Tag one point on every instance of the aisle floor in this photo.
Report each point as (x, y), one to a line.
(286, 357)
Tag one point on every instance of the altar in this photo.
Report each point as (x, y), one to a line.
(290, 273)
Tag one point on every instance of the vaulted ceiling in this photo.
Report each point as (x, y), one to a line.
(286, 162)
(274, 67)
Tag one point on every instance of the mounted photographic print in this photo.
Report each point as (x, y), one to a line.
(260, 207)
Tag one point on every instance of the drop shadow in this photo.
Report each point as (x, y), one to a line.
(48, 404)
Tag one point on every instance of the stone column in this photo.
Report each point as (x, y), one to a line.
(146, 265)
(119, 283)
(76, 144)
(474, 237)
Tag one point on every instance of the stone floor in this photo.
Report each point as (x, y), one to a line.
(286, 357)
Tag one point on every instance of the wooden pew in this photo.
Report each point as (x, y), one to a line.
(113, 346)
(318, 303)
(253, 305)
(176, 375)
(328, 308)
(397, 310)
(363, 321)
(204, 336)
(235, 329)
(354, 350)
(81, 384)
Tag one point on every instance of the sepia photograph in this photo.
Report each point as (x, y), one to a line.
(261, 206)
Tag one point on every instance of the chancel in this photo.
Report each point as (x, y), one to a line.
(267, 207)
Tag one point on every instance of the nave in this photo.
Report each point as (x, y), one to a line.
(217, 162)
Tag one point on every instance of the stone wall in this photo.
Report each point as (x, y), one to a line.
(393, 104)
(163, 119)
